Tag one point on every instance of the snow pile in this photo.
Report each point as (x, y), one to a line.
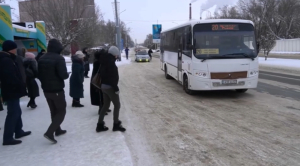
(81, 146)
(281, 63)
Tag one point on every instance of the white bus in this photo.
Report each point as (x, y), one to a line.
(217, 54)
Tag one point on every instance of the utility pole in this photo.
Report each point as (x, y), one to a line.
(118, 28)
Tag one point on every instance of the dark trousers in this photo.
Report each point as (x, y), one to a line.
(86, 72)
(109, 95)
(57, 104)
(127, 55)
(13, 122)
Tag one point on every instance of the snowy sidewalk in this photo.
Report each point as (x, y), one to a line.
(81, 146)
(289, 64)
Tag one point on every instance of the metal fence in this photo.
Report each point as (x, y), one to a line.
(287, 45)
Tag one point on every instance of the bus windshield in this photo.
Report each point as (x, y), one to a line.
(224, 40)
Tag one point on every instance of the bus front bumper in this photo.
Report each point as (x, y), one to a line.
(198, 83)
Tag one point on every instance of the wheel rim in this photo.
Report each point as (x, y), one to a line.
(186, 85)
(166, 72)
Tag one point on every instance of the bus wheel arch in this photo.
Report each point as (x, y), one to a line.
(186, 85)
(166, 72)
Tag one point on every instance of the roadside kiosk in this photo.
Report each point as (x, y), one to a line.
(31, 36)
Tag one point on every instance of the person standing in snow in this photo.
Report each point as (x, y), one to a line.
(52, 73)
(31, 71)
(40, 54)
(96, 94)
(126, 51)
(1, 101)
(12, 88)
(86, 63)
(150, 53)
(20, 57)
(77, 78)
(109, 78)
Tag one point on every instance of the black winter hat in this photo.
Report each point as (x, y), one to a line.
(9, 45)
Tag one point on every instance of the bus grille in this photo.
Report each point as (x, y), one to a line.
(229, 75)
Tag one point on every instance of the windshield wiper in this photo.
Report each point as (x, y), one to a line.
(245, 55)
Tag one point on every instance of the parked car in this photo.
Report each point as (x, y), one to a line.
(142, 56)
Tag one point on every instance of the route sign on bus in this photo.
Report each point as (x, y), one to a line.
(225, 27)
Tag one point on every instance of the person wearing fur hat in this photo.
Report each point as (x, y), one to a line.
(77, 78)
(12, 89)
(31, 71)
(109, 78)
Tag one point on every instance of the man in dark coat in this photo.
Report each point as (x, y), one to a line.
(110, 78)
(13, 88)
(77, 79)
(150, 53)
(1, 101)
(126, 51)
(40, 54)
(86, 63)
(52, 73)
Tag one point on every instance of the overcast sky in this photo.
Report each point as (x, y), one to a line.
(141, 14)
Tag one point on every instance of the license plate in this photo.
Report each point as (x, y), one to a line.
(229, 82)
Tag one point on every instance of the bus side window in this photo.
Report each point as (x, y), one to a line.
(187, 41)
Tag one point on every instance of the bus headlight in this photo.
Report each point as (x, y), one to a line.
(202, 74)
(253, 73)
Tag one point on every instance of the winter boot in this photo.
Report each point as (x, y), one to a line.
(23, 134)
(50, 137)
(60, 132)
(101, 127)
(76, 104)
(118, 127)
(12, 142)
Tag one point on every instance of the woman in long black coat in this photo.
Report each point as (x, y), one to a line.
(77, 78)
(31, 71)
(96, 94)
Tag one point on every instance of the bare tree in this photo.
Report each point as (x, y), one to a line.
(66, 20)
(267, 43)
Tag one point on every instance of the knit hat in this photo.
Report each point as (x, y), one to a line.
(9, 45)
(79, 54)
(114, 51)
(29, 55)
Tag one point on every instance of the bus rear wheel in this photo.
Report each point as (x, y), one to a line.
(241, 90)
(186, 86)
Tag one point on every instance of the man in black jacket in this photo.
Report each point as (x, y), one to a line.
(12, 89)
(110, 78)
(52, 73)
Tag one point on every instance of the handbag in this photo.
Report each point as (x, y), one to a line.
(96, 80)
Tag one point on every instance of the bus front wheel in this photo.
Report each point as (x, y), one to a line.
(186, 86)
(166, 73)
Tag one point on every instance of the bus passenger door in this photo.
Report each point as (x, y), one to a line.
(179, 52)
